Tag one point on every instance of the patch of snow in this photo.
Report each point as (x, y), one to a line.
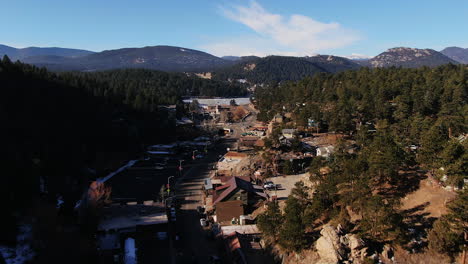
(183, 50)
(22, 252)
(110, 175)
(78, 204)
(59, 202)
(130, 251)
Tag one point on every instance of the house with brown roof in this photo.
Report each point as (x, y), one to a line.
(230, 161)
(237, 197)
(231, 155)
(229, 210)
(260, 143)
(248, 141)
(245, 248)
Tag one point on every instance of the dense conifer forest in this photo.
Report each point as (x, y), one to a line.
(401, 120)
(59, 129)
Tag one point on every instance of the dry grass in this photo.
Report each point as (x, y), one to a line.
(434, 196)
(428, 257)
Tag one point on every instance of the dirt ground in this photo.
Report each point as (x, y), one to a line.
(402, 256)
(286, 182)
(431, 197)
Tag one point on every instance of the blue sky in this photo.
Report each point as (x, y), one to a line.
(237, 27)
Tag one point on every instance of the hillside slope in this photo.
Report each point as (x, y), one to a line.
(456, 53)
(21, 54)
(410, 58)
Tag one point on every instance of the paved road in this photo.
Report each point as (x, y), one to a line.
(143, 183)
(196, 246)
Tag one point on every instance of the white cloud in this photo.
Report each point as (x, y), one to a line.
(297, 35)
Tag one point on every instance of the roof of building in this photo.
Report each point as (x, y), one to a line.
(241, 229)
(129, 216)
(225, 178)
(259, 143)
(219, 101)
(233, 154)
(288, 131)
(237, 183)
(249, 138)
(233, 242)
(225, 211)
(184, 121)
(163, 146)
(208, 184)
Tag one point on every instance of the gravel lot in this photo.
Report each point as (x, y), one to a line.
(287, 183)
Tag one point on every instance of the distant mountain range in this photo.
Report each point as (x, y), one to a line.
(408, 58)
(177, 59)
(21, 54)
(164, 58)
(457, 54)
(281, 68)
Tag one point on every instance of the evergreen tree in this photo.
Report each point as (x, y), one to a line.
(269, 221)
(292, 233)
(450, 233)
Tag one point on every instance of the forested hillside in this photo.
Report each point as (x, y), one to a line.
(145, 89)
(62, 130)
(404, 122)
(424, 107)
(269, 69)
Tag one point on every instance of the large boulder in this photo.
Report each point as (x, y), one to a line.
(356, 246)
(329, 246)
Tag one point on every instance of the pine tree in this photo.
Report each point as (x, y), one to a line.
(292, 236)
(450, 233)
(269, 221)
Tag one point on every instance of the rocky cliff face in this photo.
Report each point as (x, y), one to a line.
(410, 58)
(335, 247)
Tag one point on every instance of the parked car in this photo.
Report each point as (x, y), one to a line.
(269, 185)
(203, 222)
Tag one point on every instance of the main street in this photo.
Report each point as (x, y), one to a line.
(196, 245)
(142, 182)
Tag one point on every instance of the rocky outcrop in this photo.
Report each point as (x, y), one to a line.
(410, 58)
(335, 247)
(329, 246)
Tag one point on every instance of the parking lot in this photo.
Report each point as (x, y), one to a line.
(286, 183)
